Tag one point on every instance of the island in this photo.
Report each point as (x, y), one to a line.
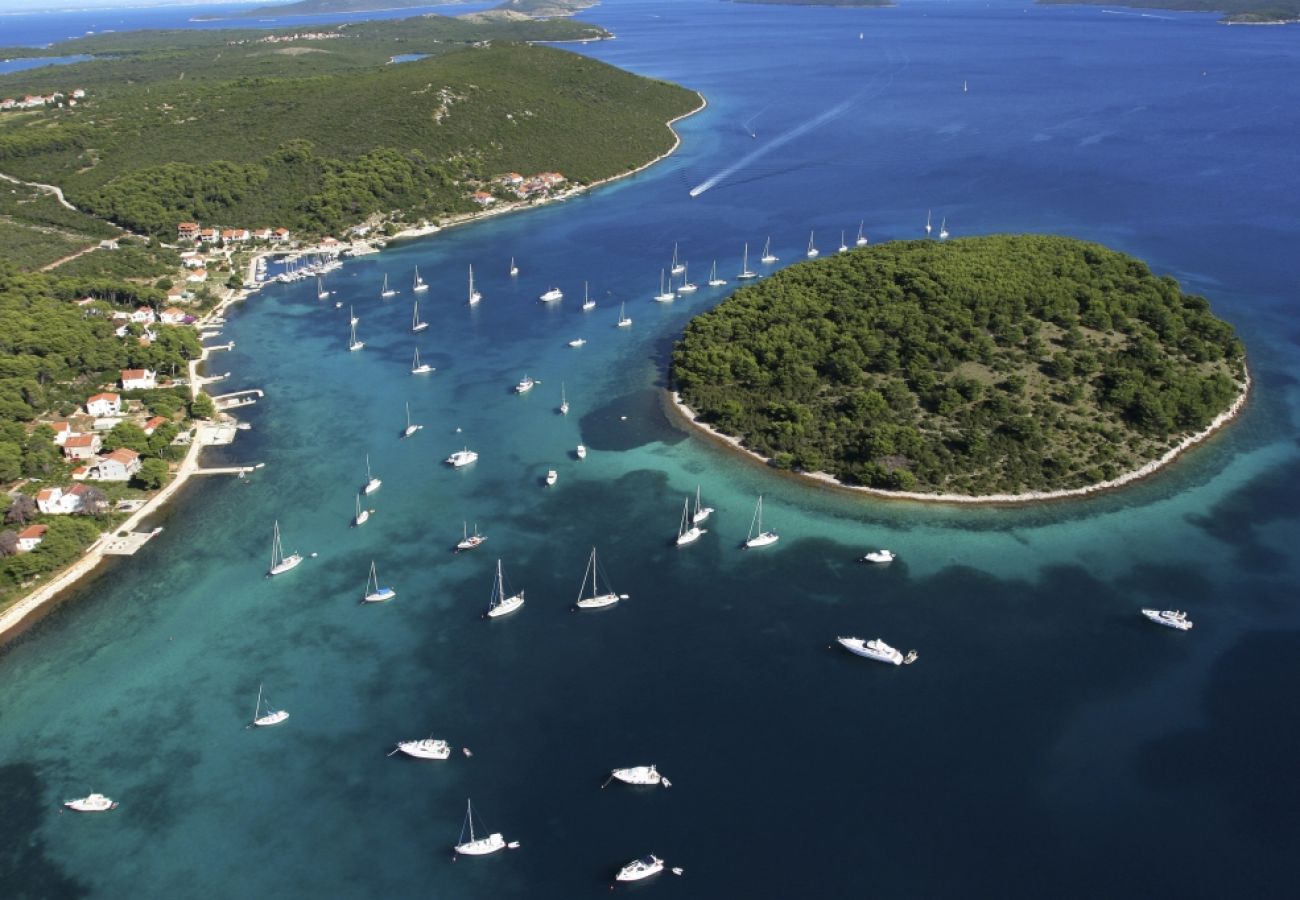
(1004, 367)
(1235, 12)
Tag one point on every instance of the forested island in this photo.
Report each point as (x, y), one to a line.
(994, 365)
(1235, 12)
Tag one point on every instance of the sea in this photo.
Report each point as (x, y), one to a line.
(1048, 741)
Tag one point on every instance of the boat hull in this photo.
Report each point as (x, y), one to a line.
(690, 536)
(506, 606)
(598, 601)
(765, 539)
(425, 749)
(483, 846)
(274, 718)
(884, 654)
(382, 595)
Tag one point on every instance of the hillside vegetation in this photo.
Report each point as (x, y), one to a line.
(987, 365)
(1244, 12)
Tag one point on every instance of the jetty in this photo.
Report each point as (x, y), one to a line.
(237, 399)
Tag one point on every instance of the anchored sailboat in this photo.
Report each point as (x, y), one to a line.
(714, 280)
(597, 598)
(564, 401)
(943, 229)
(469, 541)
(479, 846)
(386, 291)
(688, 532)
(862, 240)
(927, 223)
(321, 293)
(499, 604)
(514, 269)
(757, 536)
(417, 367)
(623, 320)
(665, 295)
(418, 286)
(372, 483)
(374, 593)
(270, 717)
(354, 344)
(701, 512)
(768, 255)
(745, 272)
(410, 428)
(279, 562)
(812, 251)
(587, 303)
(844, 248)
(474, 296)
(678, 267)
(416, 325)
(686, 286)
(362, 516)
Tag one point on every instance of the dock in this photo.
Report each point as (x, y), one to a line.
(127, 543)
(230, 470)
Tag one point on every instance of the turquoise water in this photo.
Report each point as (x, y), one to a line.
(1047, 743)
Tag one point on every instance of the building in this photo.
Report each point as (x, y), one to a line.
(187, 231)
(234, 234)
(281, 236)
(30, 538)
(152, 425)
(62, 431)
(58, 502)
(197, 276)
(263, 234)
(209, 235)
(104, 405)
(139, 379)
(82, 446)
(144, 315)
(119, 465)
(173, 316)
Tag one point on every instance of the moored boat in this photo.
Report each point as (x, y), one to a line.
(880, 556)
(469, 541)
(462, 458)
(757, 536)
(640, 775)
(639, 869)
(552, 295)
(280, 563)
(499, 604)
(478, 846)
(597, 598)
(270, 716)
(427, 748)
(91, 803)
(1170, 618)
(874, 649)
(374, 593)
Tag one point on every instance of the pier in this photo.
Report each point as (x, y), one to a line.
(230, 470)
(238, 398)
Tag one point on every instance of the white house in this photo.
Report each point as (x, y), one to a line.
(144, 315)
(58, 502)
(139, 379)
(82, 446)
(173, 316)
(62, 431)
(104, 405)
(30, 538)
(119, 465)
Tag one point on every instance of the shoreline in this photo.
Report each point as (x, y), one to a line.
(679, 411)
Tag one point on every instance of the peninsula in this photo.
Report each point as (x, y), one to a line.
(1007, 367)
(1235, 12)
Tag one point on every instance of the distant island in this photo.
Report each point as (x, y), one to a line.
(1236, 12)
(820, 2)
(1008, 366)
(333, 7)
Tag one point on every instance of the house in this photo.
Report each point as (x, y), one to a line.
(263, 234)
(176, 294)
(192, 259)
(144, 315)
(187, 231)
(234, 234)
(104, 405)
(8, 103)
(62, 431)
(281, 236)
(482, 198)
(139, 379)
(197, 276)
(173, 316)
(209, 235)
(82, 446)
(551, 179)
(119, 465)
(58, 502)
(30, 538)
(79, 94)
(152, 425)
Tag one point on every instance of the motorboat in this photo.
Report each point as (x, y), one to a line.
(577, 342)
(552, 476)
(462, 458)
(552, 295)
(1170, 618)
(639, 869)
(581, 451)
(875, 649)
(639, 775)
(880, 556)
(525, 386)
(428, 748)
(91, 803)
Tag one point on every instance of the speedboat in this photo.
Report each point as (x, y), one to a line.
(1170, 618)
(552, 295)
(91, 803)
(577, 342)
(581, 451)
(552, 476)
(525, 386)
(880, 556)
(462, 458)
(425, 749)
(640, 868)
(639, 775)
(876, 649)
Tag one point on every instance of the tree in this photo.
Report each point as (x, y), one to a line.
(8, 543)
(202, 407)
(93, 502)
(128, 435)
(20, 510)
(153, 474)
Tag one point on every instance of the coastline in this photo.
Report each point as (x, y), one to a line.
(679, 411)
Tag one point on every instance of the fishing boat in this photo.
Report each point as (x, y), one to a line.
(552, 295)
(526, 385)
(597, 598)
(701, 512)
(91, 803)
(687, 287)
(514, 269)
(372, 483)
(639, 869)
(427, 748)
(374, 593)
(714, 280)
(410, 428)
(416, 325)
(499, 604)
(928, 227)
(665, 295)
(552, 476)
(581, 452)
(877, 650)
(587, 303)
(418, 286)
(321, 293)
(943, 229)
(862, 240)
(417, 367)
(362, 516)
(688, 532)
(812, 250)
(678, 266)
(462, 458)
(640, 775)
(564, 401)
(843, 248)
(768, 256)
(279, 562)
(1170, 618)
(270, 716)
(577, 342)
(745, 271)
(469, 541)
(353, 344)
(757, 536)
(624, 321)
(386, 291)
(479, 846)
(474, 296)
(880, 556)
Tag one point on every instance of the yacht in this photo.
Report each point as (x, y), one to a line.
(665, 295)
(688, 532)
(478, 846)
(877, 650)
(372, 483)
(91, 803)
(428, 748)
(374, 593)
(552, 295)
(269, 717)
(564, 402)
(768, 256)
(469, 541)
(525, 386)
(587, 303)
(577, 342)
(880, 556)
(757, 536)
(499, 604)
(581, 452)
(474, 296)
(362, 516)
(410, 428)
(552, 476)
(418, 286)
(686, 286)
(624, 321)
(279, 562)
(416, 325)
(597, 598)
(1170, 618)
(714, 280)
(746, 272)
(862, 240)
(462, 458)
(641, 775)
(386, 291)
(639, 869)
(812, 251)
(678, 266)
(701, 512)
(417, 367)
(353, 344)
(321, 293)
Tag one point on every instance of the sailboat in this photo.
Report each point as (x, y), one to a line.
(425, 748)
(372, 483)
(701, 512)
(812, 251)
(664, 296)
(526, 385)
(270, 717)
(468, 541)
(353, 319)
(374, 593)
(587, 303)
(862, 240)
(499, 604)
(321, 293)
(686, 286)
(514, 269)
(714, 280)
(757, 536)
(768, 256)
(688, 533)
(597, 599)
(410, 429)
(943, 229)
(678, 267)
(362, 516)
(386, 291)
(474, 296)
(623, 320)
(353, 344)
(745, 271)
(417, 367)
(927, 223)
(416, 325)
(418, 286)
(479, 846)
(279, 562)
(844, 248)
(564, 401)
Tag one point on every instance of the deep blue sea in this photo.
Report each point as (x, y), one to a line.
(1049, 743)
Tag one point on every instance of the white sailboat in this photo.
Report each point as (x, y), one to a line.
(469, 541)
(587, 303)
(688, 532)
(428, 748)
(862, 240)
(812, 251)
(474, 296)
(928, 227)
(362, 516)
(564, 401)
(270, 717)
(943, 229)
(757, 536)
(374, 593)
(353, 344)
(678, 267)
(462, 458)
(417, 367)
(352, 317)
(416, 325)
(499, 604)
(279, 562)
(479, 846)
(701, 512)
(418, 285)
(514, 269)
(552, 295)
(597, 599)
(686, 286)
(844, 248)
(386, 292)
(410, 428)
(714, 280)
(623, 320)
(321, 293)
(372, 483)
(745, 272)
(665, 295)
(768, 256)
